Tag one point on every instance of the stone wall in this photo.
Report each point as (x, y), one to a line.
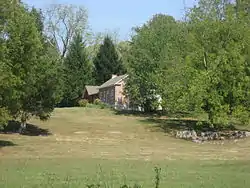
(209, 135)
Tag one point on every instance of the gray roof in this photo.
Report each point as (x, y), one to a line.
(113, 81)
(92, 90)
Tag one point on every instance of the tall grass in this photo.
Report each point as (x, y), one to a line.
(100, 184)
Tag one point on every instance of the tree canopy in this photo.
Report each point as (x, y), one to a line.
(201, 64)
(32, 85)
(107, 62)
(77, 71)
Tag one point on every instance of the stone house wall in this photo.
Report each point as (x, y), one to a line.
(113, 95)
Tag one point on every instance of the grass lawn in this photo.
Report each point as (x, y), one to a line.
(96, 146)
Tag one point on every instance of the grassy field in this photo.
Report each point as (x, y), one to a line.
(85, 146)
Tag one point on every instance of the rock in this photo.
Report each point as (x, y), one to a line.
(198, 141)
(177, 134)
(194, 134)
(235, 141)
(204, 138)
(215, 136)
(180, 134)
(247, 134)
(187, 134)
(209, 135)
(222, 138)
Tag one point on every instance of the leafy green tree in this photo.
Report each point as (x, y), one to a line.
(107, 62)
(39, 19)
(6, 82)
(5, 75)
(34, 92)
(198, 65)
(155, 49)
(217, 62)
(77, 71)
(49, 50)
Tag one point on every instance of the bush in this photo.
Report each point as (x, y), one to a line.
(98, 102)
(83, 103)
(103, 105)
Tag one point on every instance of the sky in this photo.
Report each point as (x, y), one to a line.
(121, 15)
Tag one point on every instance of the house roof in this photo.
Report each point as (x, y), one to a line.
(92, 90)
(113, 81)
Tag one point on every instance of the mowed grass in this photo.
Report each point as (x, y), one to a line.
(95, 146)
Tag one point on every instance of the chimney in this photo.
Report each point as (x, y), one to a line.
(114, 75)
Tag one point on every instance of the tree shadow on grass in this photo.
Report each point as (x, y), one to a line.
(31, 130)
(137, 113)
(156, 114)
(172, 125)
(5, 143)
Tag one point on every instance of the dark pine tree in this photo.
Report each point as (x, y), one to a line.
(77, 72)
(107, 62)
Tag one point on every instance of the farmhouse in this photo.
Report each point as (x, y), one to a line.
(110, 92)
(91, 93)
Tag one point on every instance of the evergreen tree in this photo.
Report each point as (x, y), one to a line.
(107, 62)
(77, 71)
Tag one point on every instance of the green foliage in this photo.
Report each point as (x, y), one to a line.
(156, 184)
(154, 51)
(30, 70)
(242, 114)
(157, 177)
(83, 103)
(97, 102)
(199, 65)
(77, 72)
(104, 105)
(4, 117)
(217, 57)
(39, 19)
(107, 62)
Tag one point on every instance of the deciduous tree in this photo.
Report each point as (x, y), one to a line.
(33, 72)
(63, 22)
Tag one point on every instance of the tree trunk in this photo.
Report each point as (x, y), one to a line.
(22, 127)
(211, 119)
(23, 123)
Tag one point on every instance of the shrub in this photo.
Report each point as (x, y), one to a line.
(103, 105)
(83, 102)
(98, 102)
